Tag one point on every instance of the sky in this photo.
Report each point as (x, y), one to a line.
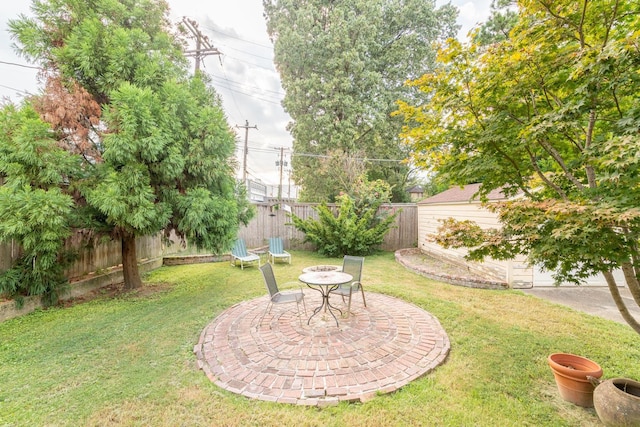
(243, 75)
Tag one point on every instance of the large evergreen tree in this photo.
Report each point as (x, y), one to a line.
(343, 64)
(151, 144)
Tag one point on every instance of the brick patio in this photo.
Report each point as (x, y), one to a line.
(378, 349)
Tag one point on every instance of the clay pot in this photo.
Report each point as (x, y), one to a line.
(617, 402)
(571, 372)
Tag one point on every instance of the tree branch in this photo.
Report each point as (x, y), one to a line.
(558, 158)
(591, 174)
(543, 177)
(581, 25)
(610, 24)
(617, 298)
(632, 281)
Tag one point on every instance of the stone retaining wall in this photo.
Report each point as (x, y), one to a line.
(408, 257)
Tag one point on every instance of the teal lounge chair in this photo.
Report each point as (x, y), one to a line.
(239, 253)
(276, 250)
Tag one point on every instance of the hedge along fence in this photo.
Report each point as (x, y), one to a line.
(270, 221)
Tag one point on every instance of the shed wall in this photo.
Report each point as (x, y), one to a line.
(514, 272)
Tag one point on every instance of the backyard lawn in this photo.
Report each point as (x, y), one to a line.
(128, 360)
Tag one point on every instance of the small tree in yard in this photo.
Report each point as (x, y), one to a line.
(357, 229)
(128, 144)
(553, 111)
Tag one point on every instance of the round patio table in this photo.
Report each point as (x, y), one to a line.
(325, 282)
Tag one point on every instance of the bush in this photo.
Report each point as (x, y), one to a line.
(352, 232)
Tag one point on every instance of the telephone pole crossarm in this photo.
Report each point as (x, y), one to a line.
(203, 45)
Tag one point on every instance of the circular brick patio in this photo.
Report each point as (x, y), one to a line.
(378, 349)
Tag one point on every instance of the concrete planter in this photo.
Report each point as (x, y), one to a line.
(617, 402)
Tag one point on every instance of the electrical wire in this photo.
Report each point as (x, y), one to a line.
(20, 65)
(236, 37)
(17, 90)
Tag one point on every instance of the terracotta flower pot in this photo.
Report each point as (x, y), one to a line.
(571, 372)
(617, 402)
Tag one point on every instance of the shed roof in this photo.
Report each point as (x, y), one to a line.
(462, 194)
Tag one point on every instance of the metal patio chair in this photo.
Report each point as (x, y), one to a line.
(277, 297)
(351, 265)
(276, 250)
(239, 253)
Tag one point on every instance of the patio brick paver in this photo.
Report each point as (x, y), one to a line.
(378, 349)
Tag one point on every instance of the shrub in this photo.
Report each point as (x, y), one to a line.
(351, 232)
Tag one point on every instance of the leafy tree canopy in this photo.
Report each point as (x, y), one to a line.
(343, 65)
(553, 111)
(149, 147)
(497, 27)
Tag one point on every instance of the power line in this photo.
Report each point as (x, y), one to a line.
(251, 63)
(237, 38)
(17, 90)
(226, 84)
(236, 83)
(248, 53)
(253, 96)
(323, 156)
(233, 98)
(20, 65)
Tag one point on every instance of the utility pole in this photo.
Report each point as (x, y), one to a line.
(281, 166)
(246, 148)
(203, 46)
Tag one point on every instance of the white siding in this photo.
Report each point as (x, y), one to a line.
(544, 278)
(515, 272)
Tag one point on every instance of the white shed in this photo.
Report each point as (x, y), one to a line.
(459, 203)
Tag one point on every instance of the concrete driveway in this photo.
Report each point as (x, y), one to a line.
(594, 300)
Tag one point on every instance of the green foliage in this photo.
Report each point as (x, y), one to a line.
(34, 210)
(343, 65)
(497, 27)
(356, 230)
(552, 112)
(160, 156)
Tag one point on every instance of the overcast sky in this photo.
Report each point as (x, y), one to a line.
(244, 74)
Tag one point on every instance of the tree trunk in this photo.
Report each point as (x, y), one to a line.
(130, 262)
(617, 298)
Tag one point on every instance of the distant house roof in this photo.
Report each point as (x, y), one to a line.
(415, 189)
(461, 195)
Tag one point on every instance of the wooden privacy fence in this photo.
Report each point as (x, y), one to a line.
(275, 222)
(268, 222)
(97, 256)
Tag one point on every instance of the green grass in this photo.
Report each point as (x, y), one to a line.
(128, 360)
